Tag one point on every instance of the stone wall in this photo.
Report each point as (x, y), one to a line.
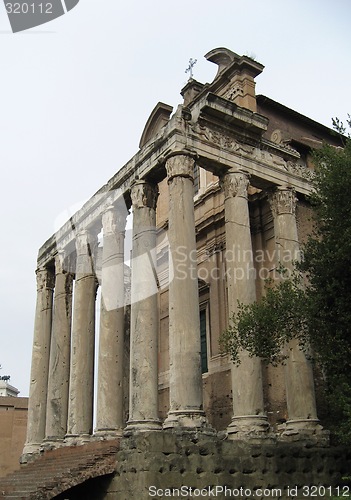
(167, 460)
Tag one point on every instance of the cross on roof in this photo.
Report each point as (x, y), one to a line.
(189, 69)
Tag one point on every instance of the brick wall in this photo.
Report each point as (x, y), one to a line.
(13, 427)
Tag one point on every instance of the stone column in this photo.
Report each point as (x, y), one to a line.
(299, 381)
(40, 363)
(186, 398)
(80, 406)
(249, 419)
(143, 399)
(58, 387)
(111, 344)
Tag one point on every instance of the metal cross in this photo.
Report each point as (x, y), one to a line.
(189, 69)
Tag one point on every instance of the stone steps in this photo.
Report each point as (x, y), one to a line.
(57, 470)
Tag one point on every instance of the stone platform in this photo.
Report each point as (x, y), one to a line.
(167, 460)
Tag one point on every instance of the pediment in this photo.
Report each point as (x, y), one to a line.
(158, 118)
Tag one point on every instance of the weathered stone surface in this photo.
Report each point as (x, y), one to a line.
(143, 399)
(80, 409)
(186, 399)
(201, 461)
(248, 407)
(60, 351)
(40, 362)
(110, 418)
(301, 402)
(211, 245)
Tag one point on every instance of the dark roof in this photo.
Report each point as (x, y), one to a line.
(264, 100)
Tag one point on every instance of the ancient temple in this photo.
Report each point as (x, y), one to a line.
(218, 193)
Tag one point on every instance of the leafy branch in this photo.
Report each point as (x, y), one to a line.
(264, 328)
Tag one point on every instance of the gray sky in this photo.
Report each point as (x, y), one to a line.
(76, 93)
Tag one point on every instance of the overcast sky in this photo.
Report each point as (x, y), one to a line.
(76, 93)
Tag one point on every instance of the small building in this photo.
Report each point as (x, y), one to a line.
(7, 389)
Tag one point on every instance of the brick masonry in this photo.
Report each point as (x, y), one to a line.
(113, 470)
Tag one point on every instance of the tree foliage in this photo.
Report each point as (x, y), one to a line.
(263, 328)
(319, 313)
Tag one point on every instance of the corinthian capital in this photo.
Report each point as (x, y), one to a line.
(60, 264)
(283, 201)
(144, 194)
(45, 279)
(85, 242)
(180, 166)
(235, 183)
(114, 220)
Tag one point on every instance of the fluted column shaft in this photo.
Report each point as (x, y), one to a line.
(143, 400)
(58, 386)
(299, 381)
(111, 342)
(249, 418)
(40, 362)
(186, 395)
(80, 408)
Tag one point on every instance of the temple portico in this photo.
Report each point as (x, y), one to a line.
(211, 181)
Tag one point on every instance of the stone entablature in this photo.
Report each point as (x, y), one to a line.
(235, 143)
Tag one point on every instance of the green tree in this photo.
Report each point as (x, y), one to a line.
(318, 313)
(327, 263)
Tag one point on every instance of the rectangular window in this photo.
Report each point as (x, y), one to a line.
(196, 179)
(203, 335)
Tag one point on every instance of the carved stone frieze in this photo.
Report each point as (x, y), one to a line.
(278, 137)
(234, 91)
(283, 201)
(270, 159)
(299, 170)
(228, 142)
(235, 183)
(180, 166)
(144, 194)
(224, 140)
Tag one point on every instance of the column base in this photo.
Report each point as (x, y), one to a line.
(142, 426)
(105, 434)
(32, 448)
(192, 420)
(77, 439)
(309, 431)
(52, 442)
(250, 428)
(30, 452)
